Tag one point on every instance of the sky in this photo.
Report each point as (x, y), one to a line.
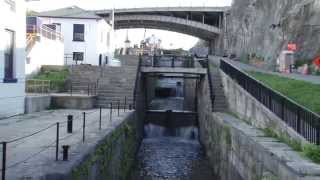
(169, 39)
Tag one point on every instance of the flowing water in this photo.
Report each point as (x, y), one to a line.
(164, 157)
(171, 154)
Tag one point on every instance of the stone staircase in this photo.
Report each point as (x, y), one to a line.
(113, 83)
(116, 84)
(220, 103)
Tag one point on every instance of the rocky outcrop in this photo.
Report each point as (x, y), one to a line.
(266, 27)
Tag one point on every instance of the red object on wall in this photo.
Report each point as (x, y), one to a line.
(292, 47)
(316, 61)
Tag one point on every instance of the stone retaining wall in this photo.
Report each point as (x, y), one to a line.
(239, 151)
(248, 108)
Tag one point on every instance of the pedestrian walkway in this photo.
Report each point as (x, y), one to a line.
(309, 78)
(31, 139)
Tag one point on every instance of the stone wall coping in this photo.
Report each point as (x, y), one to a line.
(281, 153)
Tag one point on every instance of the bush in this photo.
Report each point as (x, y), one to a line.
(57, 78)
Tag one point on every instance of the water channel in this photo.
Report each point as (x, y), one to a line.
(171, 154)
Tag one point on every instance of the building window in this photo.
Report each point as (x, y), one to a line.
(11, 4)
(78, 56)
(78, 32)
(9, 56)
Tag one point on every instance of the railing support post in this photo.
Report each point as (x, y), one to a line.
(84, 127)
(110, 112)
(118, 107)
(4, 159)
(100, 116)
(57, 142)
(125, 104)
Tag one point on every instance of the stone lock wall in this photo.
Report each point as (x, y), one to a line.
(114, 157)
(239, 151)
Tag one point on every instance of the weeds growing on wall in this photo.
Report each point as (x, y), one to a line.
(309, 151)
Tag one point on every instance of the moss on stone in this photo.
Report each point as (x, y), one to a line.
(127, 134)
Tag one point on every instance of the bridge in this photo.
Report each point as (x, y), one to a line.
(206, 23)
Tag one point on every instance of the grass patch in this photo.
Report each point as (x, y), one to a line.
(57, 77)
(304, 93)
(309, 151)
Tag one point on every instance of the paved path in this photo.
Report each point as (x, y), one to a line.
(246, 67)
(34, 156)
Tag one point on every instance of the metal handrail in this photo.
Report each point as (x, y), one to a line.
(136, 81)
(303, 120)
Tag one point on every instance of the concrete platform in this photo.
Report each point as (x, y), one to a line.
(33, 157)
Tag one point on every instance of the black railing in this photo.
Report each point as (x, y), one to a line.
(168, 61)
(87, 88)
(136, 82)
(74, 125)
(302, 120)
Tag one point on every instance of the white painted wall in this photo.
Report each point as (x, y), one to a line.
(44, 52)
(95, 43)
(12, 95)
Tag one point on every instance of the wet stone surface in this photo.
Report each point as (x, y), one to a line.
(171, 158)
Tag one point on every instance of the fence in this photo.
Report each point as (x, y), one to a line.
(38, 86)
(88, 88)
(168, 61)
(45, 31)
(303, 121)
(81, 121)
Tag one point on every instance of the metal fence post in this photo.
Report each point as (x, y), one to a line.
(118, 107)
(88, 90)
(4, 156)
(100, 116)
(125, 104)
(84, 126)
(110, 112)
(57, 142)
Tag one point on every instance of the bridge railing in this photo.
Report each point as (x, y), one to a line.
(302, 120)
(168, 61)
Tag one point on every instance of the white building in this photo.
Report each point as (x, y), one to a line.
(12, 57)
(44, 47)
(87, 37)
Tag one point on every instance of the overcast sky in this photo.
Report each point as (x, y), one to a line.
(169, 39)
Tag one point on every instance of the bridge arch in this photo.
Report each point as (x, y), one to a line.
(185, 26)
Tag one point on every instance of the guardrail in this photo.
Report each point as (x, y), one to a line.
(89, 88)
(83, 124)
(168, 61)
(38, 86)
(302, 120)
(44, 31)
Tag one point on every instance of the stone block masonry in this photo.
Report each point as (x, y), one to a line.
(238, 151)
(240, 102)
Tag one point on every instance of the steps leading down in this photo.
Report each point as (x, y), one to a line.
(117, 83)
(220, 103)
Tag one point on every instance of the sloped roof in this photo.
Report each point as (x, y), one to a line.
(70, 12)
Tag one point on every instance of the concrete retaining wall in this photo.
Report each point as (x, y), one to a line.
(73, 102)
(36, 103)
(248, 108)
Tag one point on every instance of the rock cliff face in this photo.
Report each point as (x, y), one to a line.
(265, 27)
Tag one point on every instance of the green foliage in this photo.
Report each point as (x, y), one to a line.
(57, 77)
(309, 151)
(312, 152)
(302, 92)
(295, 145)
(302, 62)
